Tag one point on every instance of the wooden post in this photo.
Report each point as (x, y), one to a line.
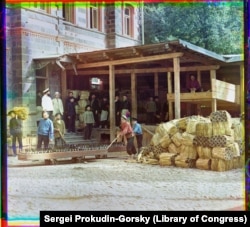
(170, 104)
(177, 87)
(64, 85)
(112, 103)
(156, 84)
(214, 101)
(134, 94)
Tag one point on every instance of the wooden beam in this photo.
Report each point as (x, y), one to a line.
(130, 60)
(177, 88)
(150, 70)
(64, 85)
(214, 101)
(156, 84)
(112, 103)
(134, 95)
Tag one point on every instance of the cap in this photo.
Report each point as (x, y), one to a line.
(46, 90)
(124, 117)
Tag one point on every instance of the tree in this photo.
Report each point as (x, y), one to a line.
(216, 26)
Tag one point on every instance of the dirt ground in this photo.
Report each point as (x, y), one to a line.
(114, 184)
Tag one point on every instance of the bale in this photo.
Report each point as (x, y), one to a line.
(224, 153)
(181, 162)
(177, 138)
(172, 148)
(187, 139)
(220, 141)
(167, 159)
(165, 141)
(167, 128)
(204, 164)
(204, 152)
(182, 123)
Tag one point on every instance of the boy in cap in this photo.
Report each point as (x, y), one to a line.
(138, 133)
(127, 132)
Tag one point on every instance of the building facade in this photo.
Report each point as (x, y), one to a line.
(47, 30)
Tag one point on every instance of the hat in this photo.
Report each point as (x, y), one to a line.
(134, 118)
(124, 117)
(46, 90)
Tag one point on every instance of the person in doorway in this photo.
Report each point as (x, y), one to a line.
(15, 126)
(89, 122)
(117, 110)
(104, 113)
(71, 115)
(138, 133)
(47, 104)
(150, 110)
(95, 107)
(127, 133)
(193, 85)
(57, 104)
(59, 130)
(45, 131)
(125, 107)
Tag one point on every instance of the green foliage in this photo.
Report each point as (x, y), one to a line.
(217, 26)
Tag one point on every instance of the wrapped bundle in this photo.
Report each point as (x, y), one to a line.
(221, 165)
(172, 148)
(155, 139)
(191, 126)
(224, 153)
(218, 128)
(158, 150)
(204, 129)
(181, 162)
(176, 139)
(165, 141)
(166, 159)
(220, 141)
(187, 139)
(220, 116)
(235, 148)
(201, 141)
(151, 161)
(167, 128)
(204, 164)
(21, 112)
(238, 163)
(237, 128)
(188, 152)
(182, 123)
(204, 152)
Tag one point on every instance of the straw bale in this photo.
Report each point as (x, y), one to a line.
(158, 150)
(176, 139)
(21, 112)
(187, 139)
(182, 123)
(204, 152)
(238, 130)
(238, 162)
(167, 128)
(220, 116)
(218, 128)
(191, 126)
(204, 129)
(151, 161)
(221, 165)
(165, 141)
(166, 159)
(235, 148)
(201, 141)
(172, 148)
(204, 164)
(220, 141)
(155, 139)
(225, 153)
(181, 162)
(189, 152)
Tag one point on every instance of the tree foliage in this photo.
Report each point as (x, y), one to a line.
(216, 26)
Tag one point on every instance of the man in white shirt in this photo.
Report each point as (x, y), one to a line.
(57, 104)
(47, 104)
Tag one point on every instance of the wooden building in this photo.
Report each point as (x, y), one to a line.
(166, 67)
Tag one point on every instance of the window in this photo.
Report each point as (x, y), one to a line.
(68, 12)
(41, 6)
(128, 21)
(94, 16)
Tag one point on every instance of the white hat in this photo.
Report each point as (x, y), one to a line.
(46, 90)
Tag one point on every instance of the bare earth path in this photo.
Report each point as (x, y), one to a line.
(113, 184)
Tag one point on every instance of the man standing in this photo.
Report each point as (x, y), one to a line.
(45, 131)
(117, 110)
(71, 114)
(95, 107)
(127, 133)
(57, 104)
(47, 104)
